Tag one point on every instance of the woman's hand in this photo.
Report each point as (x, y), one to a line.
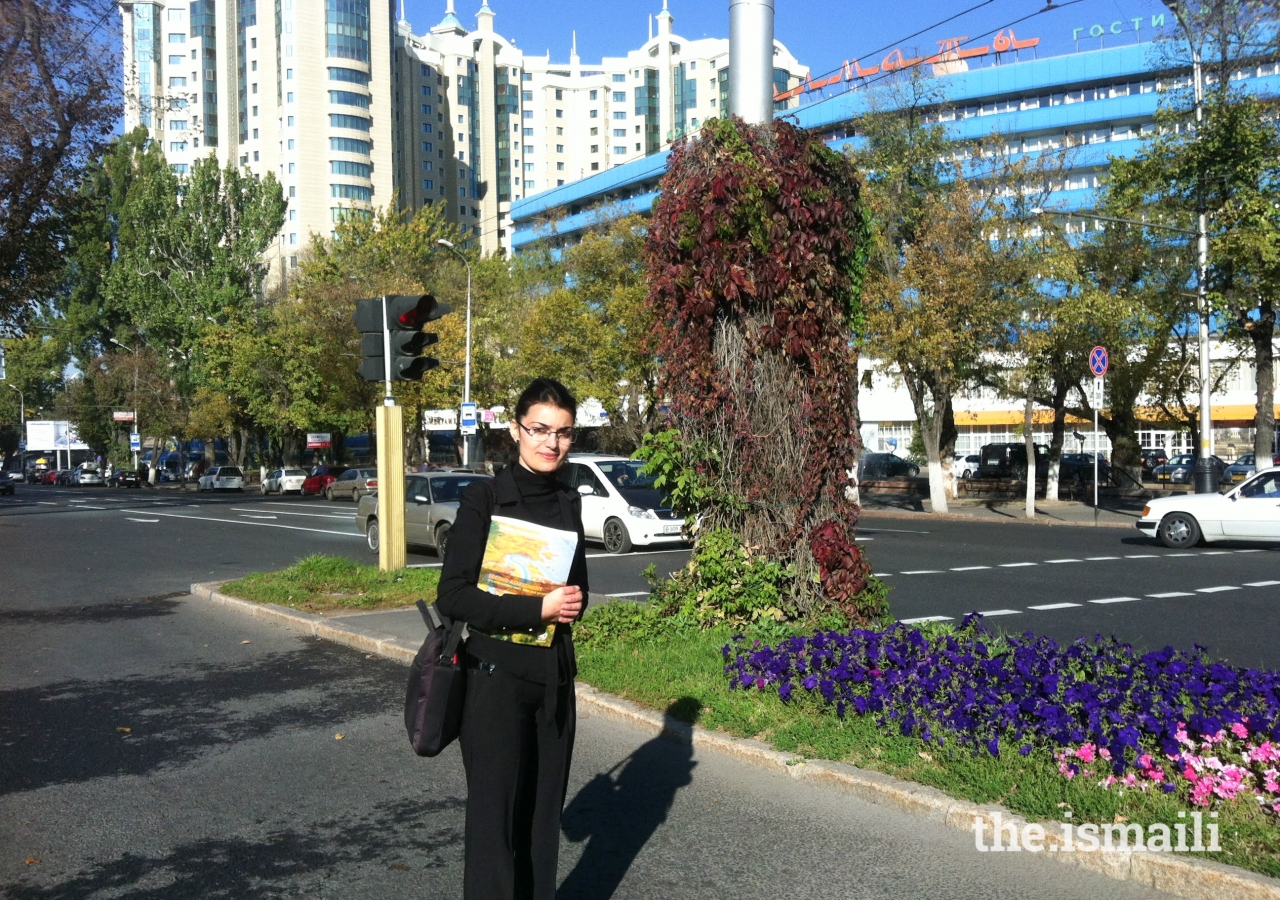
(563, 605)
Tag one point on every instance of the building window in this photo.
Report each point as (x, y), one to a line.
(595, 132)
(351, 192)
(462, 210)
(526, 76)
(426, 127)
(175, 15)
(253, 66)
(426, 147)
(620, 114)
(351, 76)
(559, 167)
(462, 155)
(427, 184)
(177, 124)
(619, 150)
(349, 98)
(528, 167)
(293, 190)
(293, 167)
(177, 146)
(255, 110)
(347, 29)
(595, 167)
(255, 134)
(426, 109)
(291, 144)
(358, 123)
(462, 138)
(426, 91)
(591, 95)
(293, 215)
(293, 237)
(620, 132)
(559, 148)
(350, 145)
(637, 147)
(528, 132)
(177, 81)
(619, 96)
(559, 182)
(346, 167)
(528, 114)
(427, 165)
(288, 98)
(253, 89)
(528, 148)
(255, 156)
(180, 168)
(594, 114)
(559, 113)
(619, 79)
(177, 39)
(559, 94)
(595, 148)
(177, 60)
(288, 74)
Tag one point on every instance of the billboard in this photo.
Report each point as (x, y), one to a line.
(46, 435)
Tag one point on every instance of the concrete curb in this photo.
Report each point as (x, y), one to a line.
(1043, 521)
(1185, 876)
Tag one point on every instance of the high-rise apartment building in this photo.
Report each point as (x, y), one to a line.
(479, 123)
(300, 88)
(350, 108)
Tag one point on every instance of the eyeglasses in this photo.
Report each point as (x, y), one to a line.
(541, 433)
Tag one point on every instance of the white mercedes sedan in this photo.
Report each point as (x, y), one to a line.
(1247, 512)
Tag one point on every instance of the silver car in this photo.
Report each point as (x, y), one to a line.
(1242, 468)
(352, 484)
(430, 506)
(285, 481)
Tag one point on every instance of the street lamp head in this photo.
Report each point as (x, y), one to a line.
(443, 243)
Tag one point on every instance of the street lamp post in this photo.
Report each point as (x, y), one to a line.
(135, 394)
(1205, 475)
(466, 370)
(22, 409)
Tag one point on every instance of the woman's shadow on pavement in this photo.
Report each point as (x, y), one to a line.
(616, 816)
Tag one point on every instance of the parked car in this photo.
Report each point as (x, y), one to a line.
(6, 483)
(125, 478)
(430, 506)
(87, 474)
(965, 466)
(284, 481)
(52, 476)
(221, 478)
(1151, 458)
(1009, 460)
(1182, 469)
(1077, 469)
(1242, 468)
(352, 485)
(620, 506)
(320, 478)
(874, 466)
(1249, 511)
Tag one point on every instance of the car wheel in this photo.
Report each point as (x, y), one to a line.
(1178, 531)
(328, 494)
(616, 538)
(371, 534)
(265, 492)
(967, 473)
(442, 541)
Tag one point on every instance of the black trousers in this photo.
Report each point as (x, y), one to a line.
(516, 751)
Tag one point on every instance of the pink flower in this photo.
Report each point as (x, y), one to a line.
(1086, 753)
(1239, 730)
(1105, 753)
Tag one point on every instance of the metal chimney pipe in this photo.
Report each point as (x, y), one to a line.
(751, 60)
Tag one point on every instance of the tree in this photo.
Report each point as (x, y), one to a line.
(58, 104)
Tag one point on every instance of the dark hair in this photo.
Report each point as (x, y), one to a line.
(549, 391)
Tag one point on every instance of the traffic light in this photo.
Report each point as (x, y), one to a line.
(405, 317)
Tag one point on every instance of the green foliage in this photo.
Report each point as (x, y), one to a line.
(322, 582)
(685, 470)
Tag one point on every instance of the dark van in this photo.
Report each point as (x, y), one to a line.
(1010, 461)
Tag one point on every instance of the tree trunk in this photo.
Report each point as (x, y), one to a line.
(1126, 455)
(1057, 439)
(1264, 422)
(1029, 439)
(932, 417)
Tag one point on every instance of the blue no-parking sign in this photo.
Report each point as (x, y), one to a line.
(1098, 361)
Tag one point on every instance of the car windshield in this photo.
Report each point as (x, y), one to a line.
(1180, 461)
(1246, 460)
(230, 472)
(368, 473)
(626, 474)
(1266, 485)
(292, 473)
(448, 490)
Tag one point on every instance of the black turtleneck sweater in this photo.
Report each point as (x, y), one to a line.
(516, 493)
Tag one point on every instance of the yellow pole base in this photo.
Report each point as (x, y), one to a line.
(389, 421)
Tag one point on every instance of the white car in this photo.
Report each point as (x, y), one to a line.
(88, 473)
(965, 466)
(221, 478)
(620, 506)
(284, 481)
(1247, 512)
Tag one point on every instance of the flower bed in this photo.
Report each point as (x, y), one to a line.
(1167, 718)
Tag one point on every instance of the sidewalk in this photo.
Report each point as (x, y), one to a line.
(1113, 512)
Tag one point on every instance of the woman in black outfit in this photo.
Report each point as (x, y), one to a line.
(519, 718)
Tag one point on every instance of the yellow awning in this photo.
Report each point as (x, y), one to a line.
(1223, 413)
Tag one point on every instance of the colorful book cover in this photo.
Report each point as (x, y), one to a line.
(523, 558)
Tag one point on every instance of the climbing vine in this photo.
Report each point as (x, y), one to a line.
(756, 255)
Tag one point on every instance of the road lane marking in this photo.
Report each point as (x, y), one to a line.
(630, 594)
(132, 519)
(1217, 589)
(255, 516)
(882, 574)
(1214, 552)
(1115, 600)
(1142, 556)
(969, 568)
(46, 503)
(1001, 612)
(1172, 555)
(876, 530)
(1061, 560)
(632, 553)
(1261, 583)
(424, 565)
(920, 619)
(1251, 551)
(922, 572)
(863, 539)
(280, 512)
(90, 507)
(1045, 606)
(1017, 565)
(354, 534)
(1167, 594)
(1099, 558)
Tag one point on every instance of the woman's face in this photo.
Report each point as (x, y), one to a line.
(542, 437)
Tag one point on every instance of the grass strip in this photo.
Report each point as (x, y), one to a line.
(325, 583)
(688, 667)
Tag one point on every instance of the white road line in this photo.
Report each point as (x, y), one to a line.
(280, 512)
(1250, 551)
(920, 619)
(1061, 560)
(864, 539)
(1017, 565)
(876, 530)
(630, 594)
(1099, 558)
(253, 516)
(424, 565)
(45, 503)
(1172, 555)
(633, 553)
(1001, 612)
(1261, 583)
(132, 519)
(969, 568)
(90, 507)
(354, 534)
(1214, 552)
(1167, 594)
(1142, 556)
(1217, 589)
(922, 572)
(1044, 606)
(1115, 600)
(882, 574)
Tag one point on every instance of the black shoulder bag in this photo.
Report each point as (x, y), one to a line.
(437, 685)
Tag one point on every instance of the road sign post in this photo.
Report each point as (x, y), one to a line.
(391, 547)
(1098, 362)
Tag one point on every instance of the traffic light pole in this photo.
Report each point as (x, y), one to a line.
(390, 423)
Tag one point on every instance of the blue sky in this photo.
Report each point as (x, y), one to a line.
(820, 34)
